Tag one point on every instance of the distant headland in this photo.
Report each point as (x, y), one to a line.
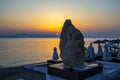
(46, 35)
(29, 36)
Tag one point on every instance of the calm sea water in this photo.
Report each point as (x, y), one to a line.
(20, 51)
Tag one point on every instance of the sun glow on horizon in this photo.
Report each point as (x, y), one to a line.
(52, 22)
(48, 16)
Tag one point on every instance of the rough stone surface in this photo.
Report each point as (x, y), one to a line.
(72, 48)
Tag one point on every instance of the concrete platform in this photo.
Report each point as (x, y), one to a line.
(110, 72)
(54, 61)
(111, 75)
(78, 73)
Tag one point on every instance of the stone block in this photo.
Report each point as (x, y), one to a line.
(78, 73)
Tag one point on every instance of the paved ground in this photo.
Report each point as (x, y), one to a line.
(14, 73)
(19, 72)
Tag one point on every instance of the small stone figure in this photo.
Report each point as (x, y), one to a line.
(72, 50)
(106, 55)
(55, 54)
(91, 51)
(118, 55)
(100, 51)
(86, 53)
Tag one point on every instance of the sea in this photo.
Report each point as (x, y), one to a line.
(21, 51)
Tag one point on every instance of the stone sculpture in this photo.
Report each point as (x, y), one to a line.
(106, 55)
(72, 50)
(118, 55)
(55, 54)
(100, 51)
(91, 51)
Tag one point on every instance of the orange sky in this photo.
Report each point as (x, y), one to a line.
(27, 16)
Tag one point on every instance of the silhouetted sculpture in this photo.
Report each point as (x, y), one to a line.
(91, 51)
(72, 48)
(106, 55)
(100, 51)
(55, 54)
(118, 55)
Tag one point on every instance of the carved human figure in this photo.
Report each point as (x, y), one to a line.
(118, 55)
(55, 54)
(72, 49)
(91, 51)
(106, 55)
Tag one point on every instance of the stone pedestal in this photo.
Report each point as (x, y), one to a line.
(53, 61)
(78, 73)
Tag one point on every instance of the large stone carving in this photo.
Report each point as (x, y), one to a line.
(72, 49)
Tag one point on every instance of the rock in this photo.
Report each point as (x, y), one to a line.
(72, 48)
